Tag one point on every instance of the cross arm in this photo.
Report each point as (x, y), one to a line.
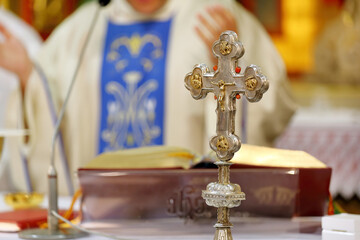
(255, 83)
(194, 81)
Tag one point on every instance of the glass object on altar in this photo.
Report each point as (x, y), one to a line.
(18, 200)
(1, 145)
(4, 135)
(176, 194)
(141, 194)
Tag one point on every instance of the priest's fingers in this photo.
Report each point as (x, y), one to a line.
(223, 17)
(207, 25)
(14, 57)
(203, 36)
(207, 41)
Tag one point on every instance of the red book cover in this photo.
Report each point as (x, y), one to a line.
(16, 220)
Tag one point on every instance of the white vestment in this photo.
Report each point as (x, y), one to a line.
(32, 41)
(10, 95)
(189, 123)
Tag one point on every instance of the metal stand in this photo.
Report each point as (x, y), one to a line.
(223, 195)
(66, 233)
(53, 231)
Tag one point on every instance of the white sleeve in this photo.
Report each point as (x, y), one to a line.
(35, 152)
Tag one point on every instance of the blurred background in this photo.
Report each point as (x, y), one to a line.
(319, 41)
(293, 25)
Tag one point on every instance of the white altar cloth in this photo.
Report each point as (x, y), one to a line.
(176, 229)
(327, 126)
(198, 237)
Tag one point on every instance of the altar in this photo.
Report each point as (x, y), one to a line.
(246, 227)
(227, 83)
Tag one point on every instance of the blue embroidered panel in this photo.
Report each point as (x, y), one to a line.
(132, 85)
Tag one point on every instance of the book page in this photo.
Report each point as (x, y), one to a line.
(145, 158)
(273, 157)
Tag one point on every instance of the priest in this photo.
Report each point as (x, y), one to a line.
(129, 90)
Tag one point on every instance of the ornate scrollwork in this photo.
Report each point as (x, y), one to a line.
(223, 195)
(225, 48)
(251, 83)
(196, 81)
(222, 144)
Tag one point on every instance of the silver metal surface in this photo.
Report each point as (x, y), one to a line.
(53, 199)
(227, 83)
(67, 233)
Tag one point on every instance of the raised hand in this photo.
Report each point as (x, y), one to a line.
(14, 57)
(209, 30)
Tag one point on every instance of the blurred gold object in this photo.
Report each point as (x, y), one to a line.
(48, 14)
(4, 3)
(22, 200)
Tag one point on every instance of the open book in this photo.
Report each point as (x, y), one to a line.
(273, 157)
(166, 157)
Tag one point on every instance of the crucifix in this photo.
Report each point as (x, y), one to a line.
(228, 84)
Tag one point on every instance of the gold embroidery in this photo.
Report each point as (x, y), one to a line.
(136, 43)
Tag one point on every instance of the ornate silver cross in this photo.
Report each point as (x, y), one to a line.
(227, 83)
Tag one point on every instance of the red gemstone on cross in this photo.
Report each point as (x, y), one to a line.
(238, 69)
(215, 67)
(215, 97)
(238, 96)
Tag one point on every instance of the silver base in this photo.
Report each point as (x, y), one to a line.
(66, 233)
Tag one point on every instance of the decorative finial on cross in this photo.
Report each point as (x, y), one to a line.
(227, 83)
